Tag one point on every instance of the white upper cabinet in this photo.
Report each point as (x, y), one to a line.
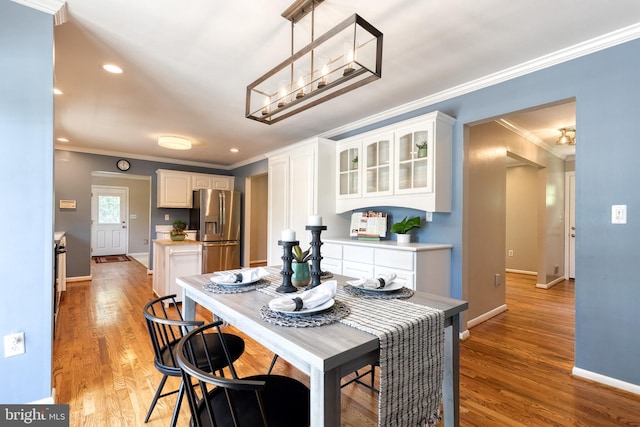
(378, 158)
(175, 188)
(348, 162)
(406, 164)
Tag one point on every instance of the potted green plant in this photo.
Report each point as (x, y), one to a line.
(402, 228)
(422, 148)
(178, 233)
(301, 273)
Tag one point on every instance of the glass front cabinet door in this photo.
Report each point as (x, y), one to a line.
(378, 152)
(349, 170)
(414, 159)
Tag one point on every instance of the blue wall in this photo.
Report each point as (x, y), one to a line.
(26, 187)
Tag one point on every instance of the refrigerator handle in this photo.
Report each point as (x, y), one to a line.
(222, 212)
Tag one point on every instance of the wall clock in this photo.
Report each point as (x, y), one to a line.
(123, 165)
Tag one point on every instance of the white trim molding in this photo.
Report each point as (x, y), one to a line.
(527, 272)
(603, 379)
(550, 284)
(78, 279)
(486, 316)
(57, 8)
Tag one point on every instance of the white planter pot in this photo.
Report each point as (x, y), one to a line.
(403, 238)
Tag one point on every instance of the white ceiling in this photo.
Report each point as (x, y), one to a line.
(187, 64)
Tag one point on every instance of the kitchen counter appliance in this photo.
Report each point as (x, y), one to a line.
(216, 217)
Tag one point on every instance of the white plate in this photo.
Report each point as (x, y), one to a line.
(393, 286)
(315, 309)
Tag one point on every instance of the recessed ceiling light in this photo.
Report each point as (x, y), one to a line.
(57, 91)
(112, 68)
(62, 139)
(174, 142)
(234, 150)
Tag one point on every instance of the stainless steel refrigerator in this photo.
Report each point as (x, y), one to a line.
(216, 217)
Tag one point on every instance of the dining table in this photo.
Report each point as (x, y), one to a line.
(325, 353)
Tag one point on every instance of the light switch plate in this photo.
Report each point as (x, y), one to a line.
(14, 344)
(618, 214)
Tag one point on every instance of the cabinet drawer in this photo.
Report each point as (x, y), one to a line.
(407, 278)
(358, 254)
(331, 264)
(396, 259)
(331, 250)
(356, 269)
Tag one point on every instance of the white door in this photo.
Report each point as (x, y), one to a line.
(571, 176)
(109, 212)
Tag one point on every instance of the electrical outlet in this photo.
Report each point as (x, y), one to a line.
(166, 217)
(510, 252)
(496, 280)
(14, 344)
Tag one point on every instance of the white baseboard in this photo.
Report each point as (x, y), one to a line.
(486, 316)
(602, 379)
(530, 273)
(464, 335)
(550, 284)
(47, 400)
(78, 279)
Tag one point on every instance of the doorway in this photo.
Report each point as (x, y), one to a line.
(255, 220)
(109, 227)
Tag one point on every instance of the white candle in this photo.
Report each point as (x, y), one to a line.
(314, 220)
(288, 235)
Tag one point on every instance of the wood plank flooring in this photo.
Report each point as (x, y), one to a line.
(515, 368)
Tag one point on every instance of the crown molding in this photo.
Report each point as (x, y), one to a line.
(587, 47)
(121, 154)
(57, 8)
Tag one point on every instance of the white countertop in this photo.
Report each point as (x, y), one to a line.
(169, 242)
(388, 244)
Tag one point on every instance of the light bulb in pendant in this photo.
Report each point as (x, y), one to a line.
(282, 93)
(348, 58)
(324, 73)
(266, 105)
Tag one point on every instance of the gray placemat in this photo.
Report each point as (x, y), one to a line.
(338, 311)
(401, 293)
(216, 288)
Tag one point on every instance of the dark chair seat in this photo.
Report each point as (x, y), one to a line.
(285, 399)
(259, 400)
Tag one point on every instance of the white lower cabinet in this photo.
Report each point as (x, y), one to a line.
(419, 266)
(174, 259)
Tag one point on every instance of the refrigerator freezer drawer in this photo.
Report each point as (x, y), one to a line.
(220, 256)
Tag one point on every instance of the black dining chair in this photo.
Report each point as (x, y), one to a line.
(166, 328)
(258, 400)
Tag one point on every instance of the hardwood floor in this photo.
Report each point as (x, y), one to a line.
(515, 368)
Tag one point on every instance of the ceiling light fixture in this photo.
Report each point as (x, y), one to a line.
(57, 91)
(111, 68)
(174, 143)
(346, 57)
(565, 136)
(62, 139)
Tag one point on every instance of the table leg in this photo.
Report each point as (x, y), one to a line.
(188, 307)
(325, 398)
(451, 384)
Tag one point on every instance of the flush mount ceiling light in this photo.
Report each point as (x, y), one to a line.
(567, 136)
(111, 68)
(346, 57)
(174, 143)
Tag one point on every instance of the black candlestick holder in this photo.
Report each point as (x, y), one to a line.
(316, 271)
(287, 270)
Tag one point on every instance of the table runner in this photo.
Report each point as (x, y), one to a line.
(411, 355)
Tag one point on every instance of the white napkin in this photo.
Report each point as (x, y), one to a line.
(244, 276)
(307, 299)
(373, 283)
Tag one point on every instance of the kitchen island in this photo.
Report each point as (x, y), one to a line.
(172, 259)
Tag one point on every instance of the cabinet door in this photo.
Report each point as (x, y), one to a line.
(348, 161)
(201, 181)
(377, 165)
(222, 183)
(174, 190)
(302, 195)
(413, 159)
